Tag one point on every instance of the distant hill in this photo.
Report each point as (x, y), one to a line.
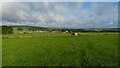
(34, 28)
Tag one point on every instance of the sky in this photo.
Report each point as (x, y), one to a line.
(60, 0)
(61, 14)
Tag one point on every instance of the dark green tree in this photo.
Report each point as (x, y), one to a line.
(19, 28)
(7, 30)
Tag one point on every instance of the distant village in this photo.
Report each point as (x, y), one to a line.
(29, 29)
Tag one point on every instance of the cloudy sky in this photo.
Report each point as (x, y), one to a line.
(61, 14)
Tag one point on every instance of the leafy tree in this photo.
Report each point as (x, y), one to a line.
(19, 28)
(7, 30)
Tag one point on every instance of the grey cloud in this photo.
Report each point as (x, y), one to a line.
(59, 14)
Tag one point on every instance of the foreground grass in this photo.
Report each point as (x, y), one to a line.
(84, 50)
(0, 52)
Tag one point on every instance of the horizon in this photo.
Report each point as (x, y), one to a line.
(54, 27)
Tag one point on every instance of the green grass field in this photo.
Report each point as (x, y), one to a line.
(92, 49)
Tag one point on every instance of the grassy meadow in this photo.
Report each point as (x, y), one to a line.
(61, 49)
